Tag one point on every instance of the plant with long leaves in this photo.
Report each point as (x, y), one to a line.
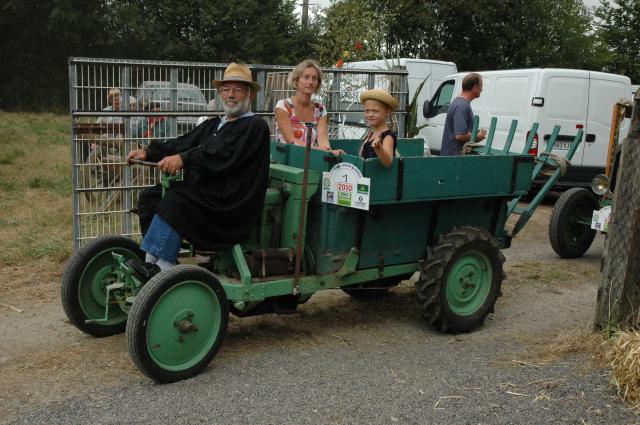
(411, 127)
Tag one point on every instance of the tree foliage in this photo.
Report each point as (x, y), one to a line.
(503, 34)
(618, 37)
(345, 24)
(475, 34)
(34, 52)
(43, 34)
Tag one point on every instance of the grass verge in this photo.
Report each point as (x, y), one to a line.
(35, 194)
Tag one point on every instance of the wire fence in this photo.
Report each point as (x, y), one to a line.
(118, 105)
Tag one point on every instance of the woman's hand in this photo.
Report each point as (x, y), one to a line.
(336, 152)
(139, 154)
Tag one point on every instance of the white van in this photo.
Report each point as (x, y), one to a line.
(418, 70)
(570, 98)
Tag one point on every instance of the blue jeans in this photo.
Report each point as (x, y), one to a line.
(161, 240)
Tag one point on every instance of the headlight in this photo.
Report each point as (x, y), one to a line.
(600, 185)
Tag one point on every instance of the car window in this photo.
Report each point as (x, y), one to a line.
(191, 95)
(160, 92)
(442, 99)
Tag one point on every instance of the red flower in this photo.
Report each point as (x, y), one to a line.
(358, 45)
(339, 63)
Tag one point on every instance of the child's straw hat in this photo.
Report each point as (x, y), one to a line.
(381, 95)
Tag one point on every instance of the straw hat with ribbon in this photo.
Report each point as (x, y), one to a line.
(238, 73)
(381, 95)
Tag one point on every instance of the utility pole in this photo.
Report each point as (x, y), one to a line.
(305, 14)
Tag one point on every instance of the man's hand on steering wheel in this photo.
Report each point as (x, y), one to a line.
(140, 154)
(171, 164)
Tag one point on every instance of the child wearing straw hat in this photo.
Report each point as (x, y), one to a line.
(381, 140)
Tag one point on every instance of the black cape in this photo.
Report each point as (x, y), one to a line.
(225, 179)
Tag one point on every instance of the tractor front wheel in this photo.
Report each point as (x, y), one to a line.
(177, 323)
(460, 280)
(569, 233)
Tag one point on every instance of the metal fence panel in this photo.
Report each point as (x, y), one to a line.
(160, 100)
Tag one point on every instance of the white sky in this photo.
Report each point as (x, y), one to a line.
(325, 3)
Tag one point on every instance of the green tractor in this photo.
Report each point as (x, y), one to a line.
(326, 223)
(579, 214)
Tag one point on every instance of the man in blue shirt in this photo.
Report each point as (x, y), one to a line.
(459, 121)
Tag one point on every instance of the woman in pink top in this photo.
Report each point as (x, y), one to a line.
(293, 112)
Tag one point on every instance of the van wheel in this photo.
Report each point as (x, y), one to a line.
(569, 232)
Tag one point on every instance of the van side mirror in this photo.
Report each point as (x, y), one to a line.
(427, 110)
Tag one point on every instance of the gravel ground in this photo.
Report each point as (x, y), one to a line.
(339, 361)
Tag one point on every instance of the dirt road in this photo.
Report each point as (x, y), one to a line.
(338, 361)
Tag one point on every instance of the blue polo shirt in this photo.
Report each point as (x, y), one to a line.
(459, 121)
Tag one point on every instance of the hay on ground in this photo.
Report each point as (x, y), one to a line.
(623, 356)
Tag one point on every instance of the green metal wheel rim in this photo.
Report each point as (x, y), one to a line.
(92, 286)
(170, 347)
(469, 282)
(580, 223)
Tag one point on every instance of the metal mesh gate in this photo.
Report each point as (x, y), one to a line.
(120, 105)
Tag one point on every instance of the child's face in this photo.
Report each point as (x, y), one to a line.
(375, 112)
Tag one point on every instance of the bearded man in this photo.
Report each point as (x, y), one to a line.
(226, 166)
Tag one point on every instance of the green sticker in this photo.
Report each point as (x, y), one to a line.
(363, 188)
(344, 198)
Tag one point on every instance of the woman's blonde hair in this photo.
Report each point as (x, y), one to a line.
(297, 72)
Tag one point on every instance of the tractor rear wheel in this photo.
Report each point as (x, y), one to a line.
(177, 323)
(86, 276)
(460, 280)
(569, 234)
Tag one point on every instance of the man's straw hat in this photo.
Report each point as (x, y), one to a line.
(381, 95)
(239, 73)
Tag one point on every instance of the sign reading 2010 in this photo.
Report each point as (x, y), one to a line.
(344, 185)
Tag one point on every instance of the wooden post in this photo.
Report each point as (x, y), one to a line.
(619, 292)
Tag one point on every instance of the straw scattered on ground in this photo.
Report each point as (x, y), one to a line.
(622, 354)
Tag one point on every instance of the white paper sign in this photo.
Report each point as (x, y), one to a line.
(600, 219)
(344, 185)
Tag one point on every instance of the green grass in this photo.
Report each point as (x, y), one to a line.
(35, 187)
(38, 129)
(10, 157)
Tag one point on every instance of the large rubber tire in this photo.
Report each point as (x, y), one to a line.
(568, 237)
(372, 290)
(157, 345)
(460, 280)
(85, 277)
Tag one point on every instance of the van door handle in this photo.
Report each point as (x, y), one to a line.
(590, 138)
